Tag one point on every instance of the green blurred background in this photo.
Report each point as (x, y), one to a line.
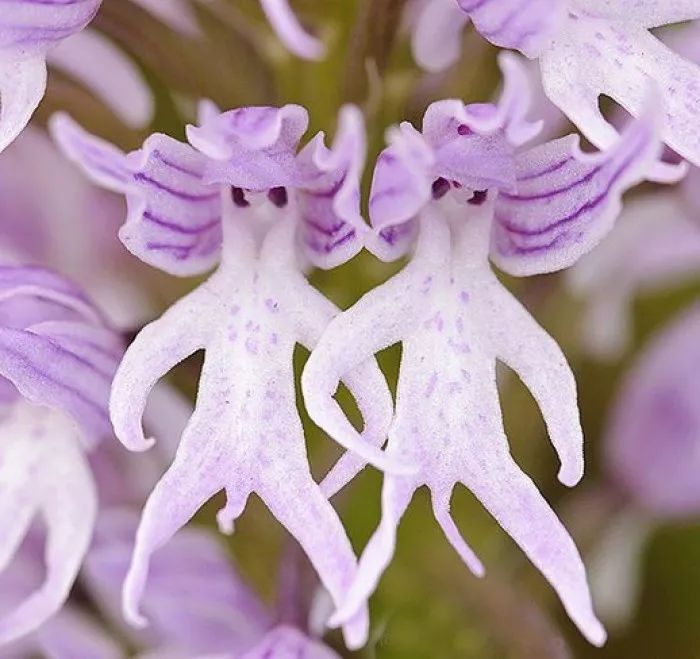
(428, 605)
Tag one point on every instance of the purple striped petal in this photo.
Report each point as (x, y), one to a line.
(253, 148)
(36, 25)
(524, 25)
(174, 218)
(652, 440)
(197, 603)
(566, 201)
(55, 348)
(332, 223)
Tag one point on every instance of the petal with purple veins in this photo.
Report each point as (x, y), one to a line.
(566, 201)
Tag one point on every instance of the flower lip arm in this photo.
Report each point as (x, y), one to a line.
(27, 32)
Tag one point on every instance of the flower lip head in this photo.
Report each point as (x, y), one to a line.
(173, 189)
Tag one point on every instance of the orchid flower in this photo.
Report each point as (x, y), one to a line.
(585, 48)
(51, 215)
(28, 31)
(58, 356)
(462, 191)
(652, 455)
(199, 605)
(243, 197)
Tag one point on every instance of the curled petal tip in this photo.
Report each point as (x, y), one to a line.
(570, 474)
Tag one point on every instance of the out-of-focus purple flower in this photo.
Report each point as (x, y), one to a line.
(59, 356)
(586, 48)
(28, 31)
(243, 198)
(652, 457)
(462, 191)
(50, 215)
(655, 246)
(653, 438)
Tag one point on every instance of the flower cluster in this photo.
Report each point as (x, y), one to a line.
(247, 202)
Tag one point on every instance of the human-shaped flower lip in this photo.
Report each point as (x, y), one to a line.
(59, 356)
(245, 434)
(455, 320)
(652, 440)
(28, 30)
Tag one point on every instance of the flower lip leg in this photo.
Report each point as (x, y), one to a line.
(64, 493)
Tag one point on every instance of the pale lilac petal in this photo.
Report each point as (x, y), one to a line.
(71, 634)
(593, 56)
(644, 13)
(654, 246)
(43, 471)
(653, 435)
(195, 599)
(332, 222)
(52, 353)
(252, 148)
(566, 200)
(102, 162)
(174, 218)
(37, 26)
(290, 32)
(86, 56)
(401, 186)
(22, 86)
(437, 34)
(525, 25)
(178, 14)
(616, 567)
(286, 642)
(27, 31)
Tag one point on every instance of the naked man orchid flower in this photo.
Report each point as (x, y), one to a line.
(57, 358)
(243, 198)
(28, 31)
(462, 191)
(586, 48)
